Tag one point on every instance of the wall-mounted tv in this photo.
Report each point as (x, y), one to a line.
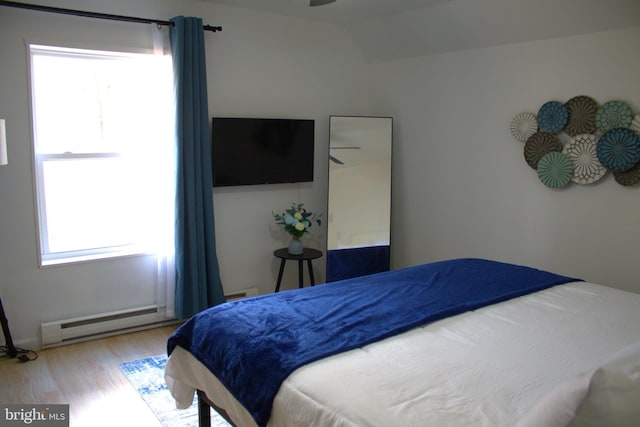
(248, 151)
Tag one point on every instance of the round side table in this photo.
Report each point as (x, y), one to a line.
(308, 255)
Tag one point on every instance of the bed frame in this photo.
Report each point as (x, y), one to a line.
(204, 411)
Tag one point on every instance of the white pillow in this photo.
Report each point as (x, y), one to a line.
(606, 396)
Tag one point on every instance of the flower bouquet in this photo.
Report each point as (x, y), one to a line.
(296, 221)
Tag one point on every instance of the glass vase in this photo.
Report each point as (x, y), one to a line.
(295, 246)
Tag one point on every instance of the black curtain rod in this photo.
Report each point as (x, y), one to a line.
(97, 15)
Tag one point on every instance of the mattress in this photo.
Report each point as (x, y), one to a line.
(488, 367)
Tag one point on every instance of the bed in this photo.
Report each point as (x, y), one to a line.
(458, 343)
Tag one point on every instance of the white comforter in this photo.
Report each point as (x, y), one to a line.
(489, 367)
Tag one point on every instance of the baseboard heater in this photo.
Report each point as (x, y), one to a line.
(79, 329)
(85, 328)
(244, 293)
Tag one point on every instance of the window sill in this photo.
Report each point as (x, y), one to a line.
(59, 260)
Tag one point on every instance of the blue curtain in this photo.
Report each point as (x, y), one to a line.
(198, 283)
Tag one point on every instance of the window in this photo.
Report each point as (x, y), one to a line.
(103, 152)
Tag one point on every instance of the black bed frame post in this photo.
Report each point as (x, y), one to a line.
(204, 411)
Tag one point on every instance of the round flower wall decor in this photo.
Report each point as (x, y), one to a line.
(613, 114)
(619, 149)
(539, 144)
(552, 117)
(581, 150)
(555, 170)
(582, 137)
(629, 177)
(582, 115)
(523, 126)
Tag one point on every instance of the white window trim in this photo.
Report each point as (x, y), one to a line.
(45, 258)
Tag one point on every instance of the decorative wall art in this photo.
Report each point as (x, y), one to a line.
(555, 169)
(582, 115)
(552, 117)
(613, 114)
(635, 124)
(581, 150)
(619, 149)
(524, 125)
(599, 139)
(538, 145)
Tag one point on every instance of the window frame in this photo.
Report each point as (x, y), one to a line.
(45, 256)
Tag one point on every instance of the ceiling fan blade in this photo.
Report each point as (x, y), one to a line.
(320, 2)
(333, 159)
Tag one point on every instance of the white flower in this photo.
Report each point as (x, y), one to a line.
(296, 220)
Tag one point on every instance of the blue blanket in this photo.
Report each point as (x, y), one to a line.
(252, 345)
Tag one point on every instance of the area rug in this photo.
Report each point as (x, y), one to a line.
(147, 377)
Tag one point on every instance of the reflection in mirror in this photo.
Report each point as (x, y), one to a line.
(359, 211)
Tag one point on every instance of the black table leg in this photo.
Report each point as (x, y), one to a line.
(308, 254)
(300, 278)
(310, 272)
(280, 274)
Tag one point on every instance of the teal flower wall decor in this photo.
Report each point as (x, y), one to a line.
(601, 139)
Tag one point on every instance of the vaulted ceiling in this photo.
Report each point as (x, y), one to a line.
(341, 11)
(393, 29)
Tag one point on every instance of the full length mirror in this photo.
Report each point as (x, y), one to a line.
(359, 210)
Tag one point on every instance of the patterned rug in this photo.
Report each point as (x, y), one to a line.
(147, 377)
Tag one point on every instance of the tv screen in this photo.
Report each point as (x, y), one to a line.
(249, 151)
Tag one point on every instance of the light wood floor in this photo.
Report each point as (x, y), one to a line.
(87, 377)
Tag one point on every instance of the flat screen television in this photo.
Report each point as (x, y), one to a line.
(248, 151)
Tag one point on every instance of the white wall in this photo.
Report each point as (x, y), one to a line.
(275, 67)
(461, 186)
(260, 65)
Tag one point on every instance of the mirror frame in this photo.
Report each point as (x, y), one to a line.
(370, 251)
